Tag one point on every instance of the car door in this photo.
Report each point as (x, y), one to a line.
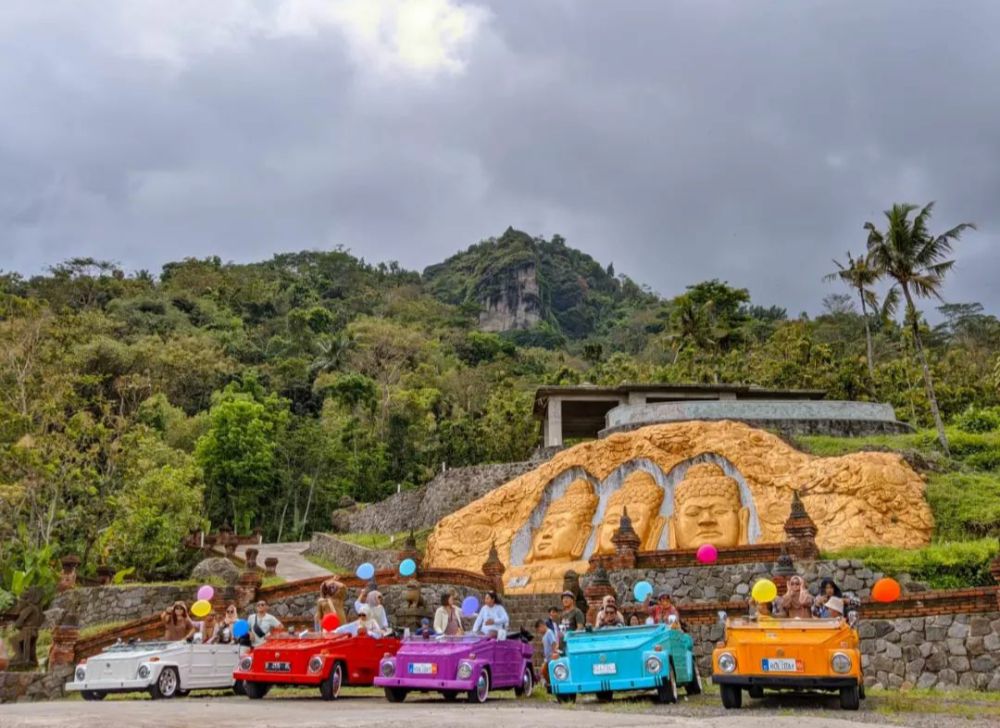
(197, 665)
(226, 659)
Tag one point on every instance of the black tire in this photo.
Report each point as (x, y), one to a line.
(850, 698)
(481, 692)
(167, 685)
(694, 686)
(756, 692)
(667, 692)
(329, 689)
(566, 697)
(732, 696)
(239, 688)
(450, 695)
(93, 694)
(256, 690)
(861, 691)
(183, 693)
(527, 686)
(604, 696)
(395, 695)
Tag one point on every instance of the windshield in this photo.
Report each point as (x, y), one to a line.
(787, 623)
(139, 647)
(452, 639)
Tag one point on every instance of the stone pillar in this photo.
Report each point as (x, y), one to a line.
(67, 580)
(800, 531)
(251, 558)
(493, 569)
(553, 423)
(229, 543)
(105, 574)
(784, 568)
(245, 591)
(271, 566)
(595, 591)
(626, 542)
(64, 639)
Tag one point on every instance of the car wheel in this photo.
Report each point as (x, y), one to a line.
(255, 690)
(604, 696)
(732, 696)
(756, 692)
(395, 695)
(861, 691)
(527, 685)
(850, 698)
(93, 694)
(667, 692)
(481, 692)
(167, 685)
(694, 687)
(450, 695)
(329, 689)
(239, 688)
(566, 697)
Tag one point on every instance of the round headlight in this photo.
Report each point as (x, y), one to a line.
(464, 670)
(388, 668)
(143, 672)
(315, 663)
(727, 663)
(841, 663)
(246, 663)
(653, 664)
(561, 672)
(81, 673)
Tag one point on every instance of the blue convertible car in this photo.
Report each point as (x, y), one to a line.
(653, 657)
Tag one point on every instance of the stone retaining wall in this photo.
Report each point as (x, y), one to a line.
(346, 554)
(20, 687)
(105, 604)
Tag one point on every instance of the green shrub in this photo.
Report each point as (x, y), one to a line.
(965, 505)
(940, 566)
(978, 419)
(985, 460)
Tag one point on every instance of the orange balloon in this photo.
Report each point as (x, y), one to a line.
(886, 590)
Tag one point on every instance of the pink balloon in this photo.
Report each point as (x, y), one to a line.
(707, 554)
(206, 593)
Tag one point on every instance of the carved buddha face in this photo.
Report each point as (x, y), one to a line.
(643, 497)
(707, 509)
(567, 525)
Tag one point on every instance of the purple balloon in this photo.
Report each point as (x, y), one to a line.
(206, 593)
(470, 605)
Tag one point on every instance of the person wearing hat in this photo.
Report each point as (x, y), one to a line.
(664, 609)
(572, 618)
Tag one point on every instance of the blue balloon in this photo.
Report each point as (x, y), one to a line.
(241, 628)
(642, 590)
(365, 571)
(408, 567)
(470, 605)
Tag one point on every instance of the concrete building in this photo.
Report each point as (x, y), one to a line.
(587, 412)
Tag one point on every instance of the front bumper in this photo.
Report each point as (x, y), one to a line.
(280, 678)
(573, 687)
(789, 682)
(110, 686)
(402, 682)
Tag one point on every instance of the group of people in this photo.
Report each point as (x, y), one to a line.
(798, 603)
(178, 625)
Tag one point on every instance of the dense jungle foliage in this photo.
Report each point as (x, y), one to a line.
(134, 406)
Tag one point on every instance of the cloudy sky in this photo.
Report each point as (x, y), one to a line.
(680, 139)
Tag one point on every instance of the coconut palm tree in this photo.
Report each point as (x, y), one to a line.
(860, 275)
(915, 259)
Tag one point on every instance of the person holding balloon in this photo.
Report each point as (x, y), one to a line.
(331, 601)
(609, 616)
(372, 599)
(664, 610)
(493, 619)
(178, 626)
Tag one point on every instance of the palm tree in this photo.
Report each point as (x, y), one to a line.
(860, 275)
(915, 259)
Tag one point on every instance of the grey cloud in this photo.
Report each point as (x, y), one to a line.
(682, 140)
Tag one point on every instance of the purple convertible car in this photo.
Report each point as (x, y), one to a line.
(470, 664)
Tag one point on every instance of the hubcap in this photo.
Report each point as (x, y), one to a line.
(526, 683)
(337, 679)
(168, 683)
(481, 687)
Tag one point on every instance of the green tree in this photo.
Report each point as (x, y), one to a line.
(861, 276)
(908, 253)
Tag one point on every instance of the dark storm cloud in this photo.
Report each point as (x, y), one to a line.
(682, 140)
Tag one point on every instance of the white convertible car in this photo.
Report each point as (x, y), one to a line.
(165, 669)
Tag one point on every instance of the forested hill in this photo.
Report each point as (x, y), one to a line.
(134, 407)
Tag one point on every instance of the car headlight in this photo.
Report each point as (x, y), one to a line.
(246, 663)
(727, 662)
(653, 664)
(388, 668)
(81, 673)
(315, 663)
(143, 672)
(561, 672)
(841, 663)
(464, 670)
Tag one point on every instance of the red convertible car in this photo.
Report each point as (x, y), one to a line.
(326, 662)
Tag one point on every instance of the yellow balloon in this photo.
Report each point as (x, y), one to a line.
(763, 591)
(201, 608)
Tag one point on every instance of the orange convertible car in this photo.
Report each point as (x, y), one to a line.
(788, 654)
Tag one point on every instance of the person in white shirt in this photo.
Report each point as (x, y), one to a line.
(364, 624)
(372, 598)
(261, 623)
(492, 617)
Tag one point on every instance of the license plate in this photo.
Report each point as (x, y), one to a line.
(781, 665)
(423, 668)
(606, 669)
(278, 666)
